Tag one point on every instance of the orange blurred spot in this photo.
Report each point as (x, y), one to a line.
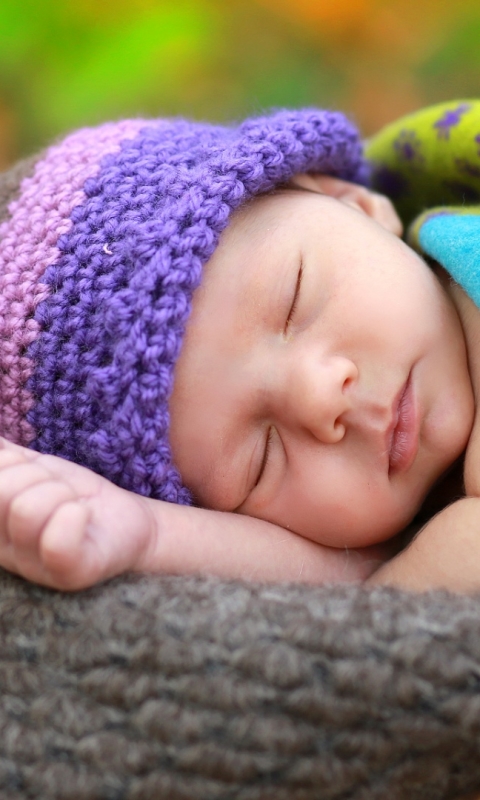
(383, 25)
(327, 16)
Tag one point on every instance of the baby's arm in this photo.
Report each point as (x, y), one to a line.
(444, 554)
(63, 526)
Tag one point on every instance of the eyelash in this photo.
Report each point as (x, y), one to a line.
(266, 455)
(296, 296)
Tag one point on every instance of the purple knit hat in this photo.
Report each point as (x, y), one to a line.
(102, 243)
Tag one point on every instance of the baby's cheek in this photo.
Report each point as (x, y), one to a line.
(370, 518)
(334, 506)
(357, 520)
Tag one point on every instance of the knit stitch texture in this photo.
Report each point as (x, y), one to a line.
(197, 689)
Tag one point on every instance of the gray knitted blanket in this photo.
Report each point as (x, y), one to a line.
(177, 688)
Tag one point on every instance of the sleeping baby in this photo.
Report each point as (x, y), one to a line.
(219, 356)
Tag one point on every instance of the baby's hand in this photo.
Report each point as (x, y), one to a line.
(64, 526)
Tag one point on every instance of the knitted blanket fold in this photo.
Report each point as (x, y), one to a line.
(179, 688)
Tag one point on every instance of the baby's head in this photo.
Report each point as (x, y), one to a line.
(318, 353)
(323, 382)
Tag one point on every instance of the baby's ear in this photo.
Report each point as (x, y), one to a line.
(372, 204)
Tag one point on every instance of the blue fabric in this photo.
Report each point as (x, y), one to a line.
(454, 241)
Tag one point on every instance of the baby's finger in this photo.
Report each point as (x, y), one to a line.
(14, 480)
(64, 547)
(23, 453)
(10, 457)
(30, 511)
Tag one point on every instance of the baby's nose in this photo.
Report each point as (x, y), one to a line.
(322, 395)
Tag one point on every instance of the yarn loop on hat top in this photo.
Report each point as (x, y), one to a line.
(107, 238)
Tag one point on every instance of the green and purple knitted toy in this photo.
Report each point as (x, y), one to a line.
(428, 163)
(102, 243)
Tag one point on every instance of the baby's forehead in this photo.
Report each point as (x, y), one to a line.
(272, 221)
(254, 216)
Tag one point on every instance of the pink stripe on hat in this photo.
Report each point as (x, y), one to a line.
(28, 245)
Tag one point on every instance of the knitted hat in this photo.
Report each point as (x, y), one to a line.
(102, 242)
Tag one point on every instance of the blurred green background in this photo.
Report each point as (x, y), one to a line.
(65, 63)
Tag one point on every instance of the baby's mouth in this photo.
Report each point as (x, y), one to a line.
(403, 432)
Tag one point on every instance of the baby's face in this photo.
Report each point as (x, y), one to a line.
(323, 383)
